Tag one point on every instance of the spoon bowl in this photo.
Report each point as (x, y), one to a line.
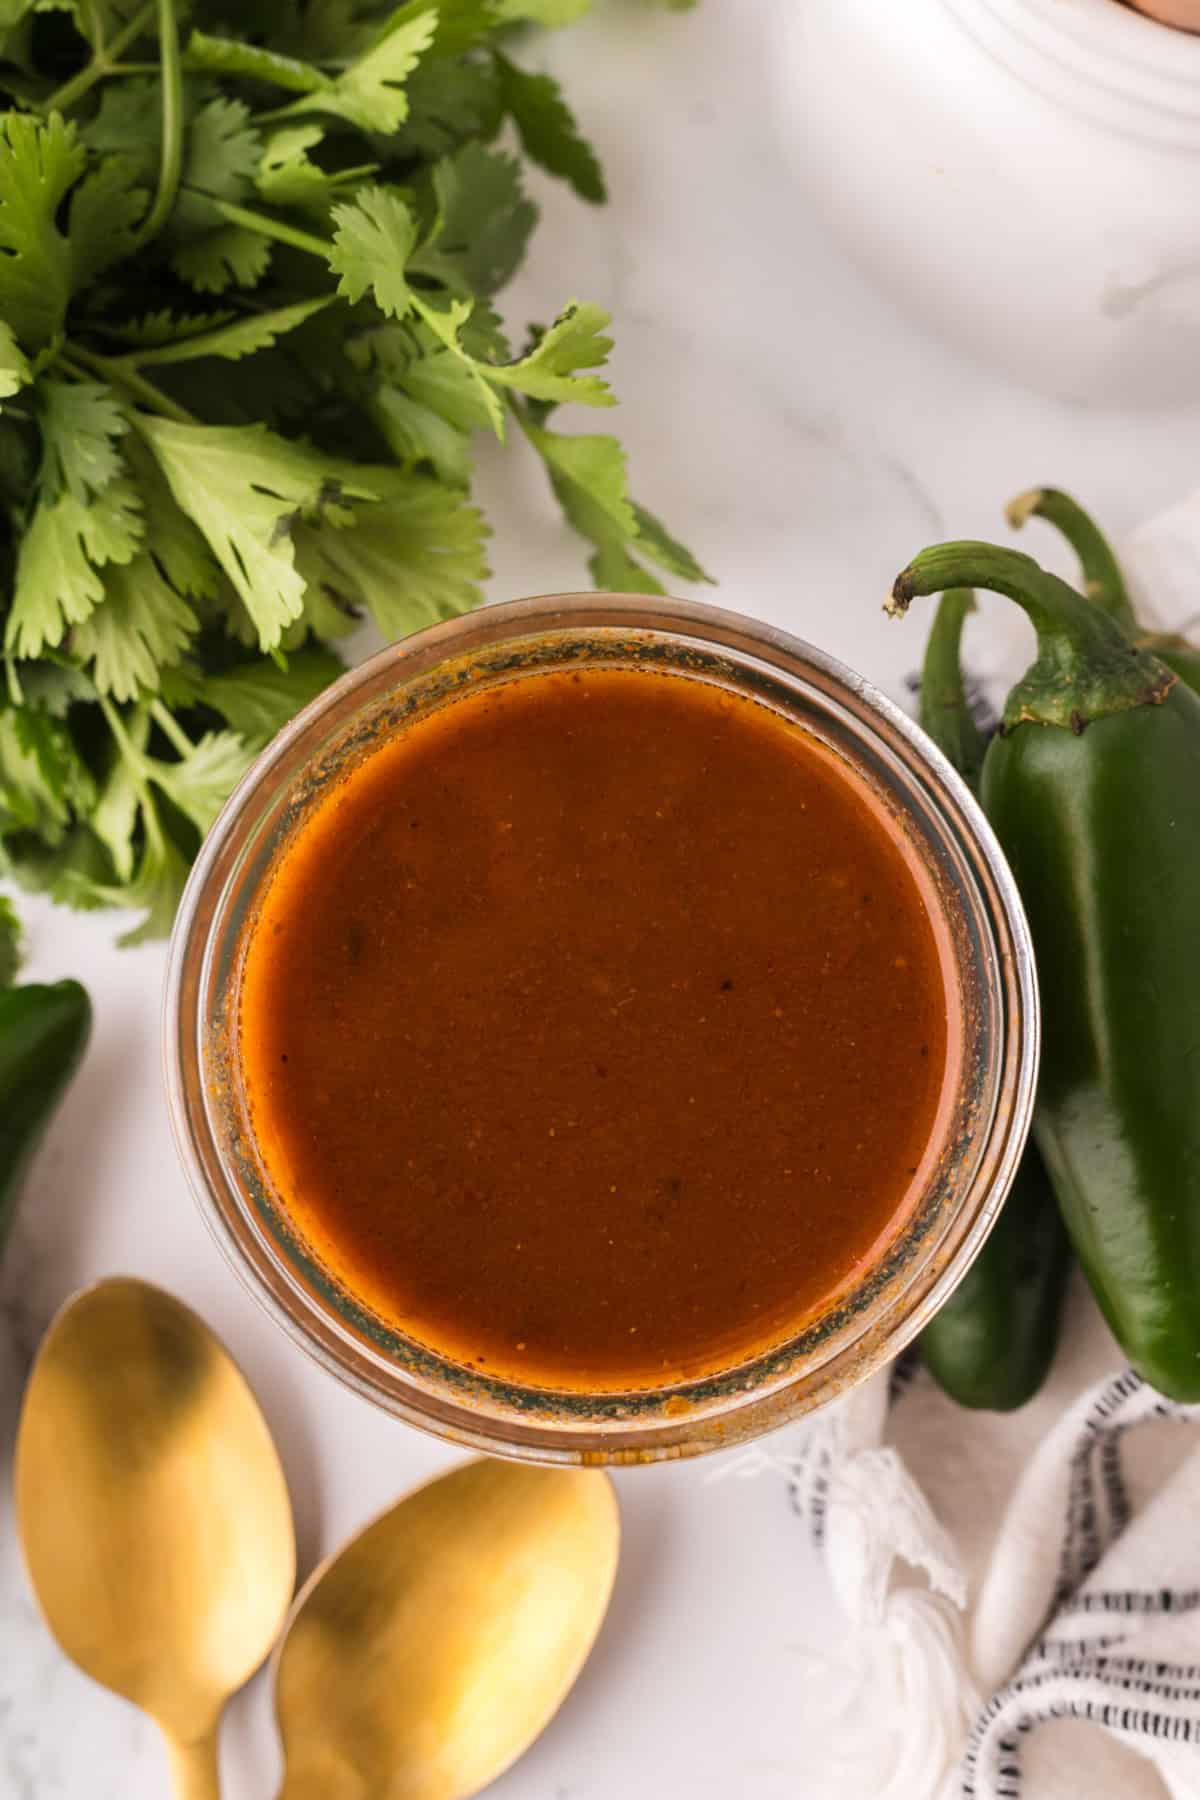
(153, 1513)
(430, 1652)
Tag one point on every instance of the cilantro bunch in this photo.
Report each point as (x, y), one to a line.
(248, 258)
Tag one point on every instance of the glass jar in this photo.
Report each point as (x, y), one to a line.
(990, 952)
(1020, 173)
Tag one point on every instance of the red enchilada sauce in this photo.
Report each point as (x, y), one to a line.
(594, 1029)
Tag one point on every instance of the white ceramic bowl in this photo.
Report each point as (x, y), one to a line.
(1024, 174)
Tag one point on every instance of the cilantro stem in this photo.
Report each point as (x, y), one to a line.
(125, 745)
(184, 349)
(100, 65)
(171, 164)
(171, 728)
(120, 375)
(272, 228)
(131, 755)
(141, 770)
(94, 27)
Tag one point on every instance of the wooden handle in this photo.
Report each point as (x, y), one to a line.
(194, 1769)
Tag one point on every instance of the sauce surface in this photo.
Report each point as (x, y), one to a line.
(593, 1031)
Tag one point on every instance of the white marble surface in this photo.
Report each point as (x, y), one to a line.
(805, 439)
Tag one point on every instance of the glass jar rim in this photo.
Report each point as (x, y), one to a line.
(689, 1416)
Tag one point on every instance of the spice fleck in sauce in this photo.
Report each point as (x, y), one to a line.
(594, 1029)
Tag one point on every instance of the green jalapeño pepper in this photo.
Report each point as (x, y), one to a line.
(1104, 583)
(1093, 787)
(43, 1033)
(993, 1341)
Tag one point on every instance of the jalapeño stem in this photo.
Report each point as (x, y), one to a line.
(1103, 581)
(945, 711)
(1086, 668)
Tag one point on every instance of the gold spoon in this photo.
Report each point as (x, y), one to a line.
(431, 1651)
(153, 1513)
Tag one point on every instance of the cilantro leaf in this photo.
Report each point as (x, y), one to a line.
(575, 341)
(229, 256)
(482, 221)
(258, 698)
(589, 479)
(230, 56)
(14, 368)
(245, 487)
(547, 129)
(11, 14)
(449, 383)
(43, 778)
(287, 176)
(459, 23)
(372, 245)
(450, 99)
(81, 422)
(327, 614)
(417, 433)
(425, 401)
(656, 541)
(17, 461)
(221, 159)
(370, 93)
(53, 686)
(39, 163)
(10, 943)
(590, 472)
(171, 538)
(57, 584)
(326, 30)
(165, 327)
(27, 803)
(70, 869)
(481, 334)
(414, 558)
(112, 525)
(373, 240)
(611, 566)
(200, 782)
(106, 209)
(128, 122)
(258, 331)
(139, 627)
(156, 888)
(446, 323)
(222, 154)
(149, 878)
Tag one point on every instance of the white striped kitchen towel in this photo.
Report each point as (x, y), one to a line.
(1022, 1592)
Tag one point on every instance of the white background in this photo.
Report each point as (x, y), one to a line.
(805, 439)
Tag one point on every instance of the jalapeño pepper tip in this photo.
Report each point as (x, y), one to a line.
(1024, 506)
(900, 598)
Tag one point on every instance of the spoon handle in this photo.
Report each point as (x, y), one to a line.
(194, 1769)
